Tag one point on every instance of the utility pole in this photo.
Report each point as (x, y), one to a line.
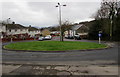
(59, 7)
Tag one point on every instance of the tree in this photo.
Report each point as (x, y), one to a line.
(45, 32)
(66, 26)
(108, 14)
(117, 23)
(108, 9)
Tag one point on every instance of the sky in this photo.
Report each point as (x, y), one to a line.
(43, 13)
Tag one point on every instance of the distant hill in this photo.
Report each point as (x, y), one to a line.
(57, 28)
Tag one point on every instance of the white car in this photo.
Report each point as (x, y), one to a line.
(48, 37)
(41, 38)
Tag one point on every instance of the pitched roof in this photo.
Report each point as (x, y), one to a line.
(32, 28)
(15, 26)
(76, 27)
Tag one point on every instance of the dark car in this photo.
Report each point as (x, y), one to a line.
(77, 37)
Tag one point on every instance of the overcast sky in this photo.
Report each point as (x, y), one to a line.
(41, 13)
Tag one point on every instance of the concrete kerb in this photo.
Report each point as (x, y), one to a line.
(81, 63)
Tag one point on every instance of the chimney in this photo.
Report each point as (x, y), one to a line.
(13, 22)
(29, 26)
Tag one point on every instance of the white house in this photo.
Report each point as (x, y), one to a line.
(77, 29)
(16, 31)
(2, 30)
(10, 28)
(13, 29)
(32, 31)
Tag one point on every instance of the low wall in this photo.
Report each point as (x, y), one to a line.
(15, 39)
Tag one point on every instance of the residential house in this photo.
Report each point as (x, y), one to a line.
(80, 29)
(14, 29)
(55, 33)
(17, 30)
(2, 30)
(33, 32)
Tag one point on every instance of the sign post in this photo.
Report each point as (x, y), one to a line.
(99, 39)
(99, 35)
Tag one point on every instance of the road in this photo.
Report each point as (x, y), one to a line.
(110, 54)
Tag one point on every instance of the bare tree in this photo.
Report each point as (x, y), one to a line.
(66, 26)
(108, 10)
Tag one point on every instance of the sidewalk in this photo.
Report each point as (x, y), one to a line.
(59, 70)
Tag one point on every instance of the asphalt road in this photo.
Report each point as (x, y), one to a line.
(110, 54)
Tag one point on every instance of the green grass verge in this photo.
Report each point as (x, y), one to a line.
(53, 45)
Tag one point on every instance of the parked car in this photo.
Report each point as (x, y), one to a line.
(48, 37)
(41, 38)
(77, 37)
(69, 37)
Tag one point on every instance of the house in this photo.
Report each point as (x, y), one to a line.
(10, 29)
(15, 29)
(55, 33)
(32, 31)
(80, 29)
(2, 30)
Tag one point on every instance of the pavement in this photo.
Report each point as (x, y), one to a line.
(59, 70)
(96, 62)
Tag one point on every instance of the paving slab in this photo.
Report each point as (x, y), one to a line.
(6, 69)
(60, 70)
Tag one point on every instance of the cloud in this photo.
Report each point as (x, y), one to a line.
(54, 0)
(42, 14)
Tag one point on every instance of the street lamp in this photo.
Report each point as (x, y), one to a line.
(11, 37)
(59, 7)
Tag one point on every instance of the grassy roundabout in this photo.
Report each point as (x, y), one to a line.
(53, 45)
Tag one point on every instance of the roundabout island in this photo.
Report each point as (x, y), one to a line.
(53, 46)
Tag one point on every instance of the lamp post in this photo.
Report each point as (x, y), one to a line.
(11, 39)
(59, 7)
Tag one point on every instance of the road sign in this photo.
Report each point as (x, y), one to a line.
(99, 37)
(99, 34)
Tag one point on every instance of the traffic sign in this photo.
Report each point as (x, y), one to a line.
(99, 34)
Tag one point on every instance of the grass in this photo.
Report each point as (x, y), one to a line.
(53, 45)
